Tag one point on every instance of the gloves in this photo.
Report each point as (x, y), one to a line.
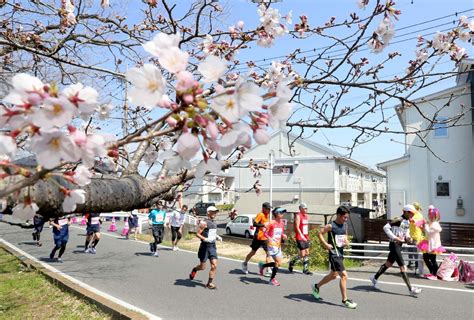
(219, 238)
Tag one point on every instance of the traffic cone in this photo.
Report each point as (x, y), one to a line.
(74, 220)
(113, 227)
(83, 221)
(125, 228)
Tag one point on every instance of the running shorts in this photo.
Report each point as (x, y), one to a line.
(274, 252)
(207, 251)
(175, 233)
(94, 228)
(395, 254)
(302, 245)
(336, 262)
(256, 244)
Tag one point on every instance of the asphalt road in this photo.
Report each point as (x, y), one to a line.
(125, 270)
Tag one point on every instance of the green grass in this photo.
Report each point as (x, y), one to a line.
(26, 294)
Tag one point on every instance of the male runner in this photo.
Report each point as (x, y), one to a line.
(60, 236)
(274, 234)
(207, 233)
(38, 223)
(259, 238)
(92, 232)
(157, 219)
(398, 231)
(302, 239)
(337, 240)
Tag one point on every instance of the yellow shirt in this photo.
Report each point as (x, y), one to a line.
(415, 232)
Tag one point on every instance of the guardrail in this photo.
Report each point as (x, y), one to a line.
(461, 252)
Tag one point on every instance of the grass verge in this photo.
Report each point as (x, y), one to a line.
(25, 293)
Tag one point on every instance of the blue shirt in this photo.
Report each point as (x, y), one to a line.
(157, 216)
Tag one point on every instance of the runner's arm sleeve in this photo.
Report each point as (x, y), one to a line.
(388, 231)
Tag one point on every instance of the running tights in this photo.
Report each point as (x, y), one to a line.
(61, 250)
(430, 261)
(295, 259)
(274, 268)
(381, 271)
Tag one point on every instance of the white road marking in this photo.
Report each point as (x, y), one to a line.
(82, 284)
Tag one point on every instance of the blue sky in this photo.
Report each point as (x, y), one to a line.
(318, 12)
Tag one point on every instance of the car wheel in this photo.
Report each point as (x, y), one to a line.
(247, 234)
(227, 231)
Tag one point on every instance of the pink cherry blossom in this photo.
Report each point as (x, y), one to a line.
(82, 175)
(187, 145)
(261, 136)
(24, 86)
(25, 211)
(56, 112)
(52, 147)
(212, 130)
(185, 81)
(85, 98)
(7, 145)
(72, 198)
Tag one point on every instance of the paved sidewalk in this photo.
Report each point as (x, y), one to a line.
(125, 270)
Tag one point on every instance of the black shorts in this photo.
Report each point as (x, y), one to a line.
(38, 224)
(256, 244)
(207, 251)
(302, 245)
(175, 233)
(95, 228)
(158, 231)
(336, 262)
(395, 254)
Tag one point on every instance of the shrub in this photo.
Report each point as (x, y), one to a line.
(318, 256)
(225, 207)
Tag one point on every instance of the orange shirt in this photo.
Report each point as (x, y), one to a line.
(261, 218)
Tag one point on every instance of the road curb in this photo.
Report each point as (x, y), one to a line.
(114, 309)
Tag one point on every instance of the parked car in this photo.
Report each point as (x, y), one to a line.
(201, 208)
(241, 225)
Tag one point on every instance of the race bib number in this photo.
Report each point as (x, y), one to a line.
(340, 240)
(95, 220)
(159, 218)
(212, 234)
(62, 222)
(305, 229)
(277, 232)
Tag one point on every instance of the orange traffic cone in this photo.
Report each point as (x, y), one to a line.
(113, 227)
(125, 228)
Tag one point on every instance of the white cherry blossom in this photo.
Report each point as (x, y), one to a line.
(187, 145)
(72, 198)
(211, 165)
(161, 43)
(148, 85)
(25, 211)
(278, 113)
(85, 98)
(52, 147)
(56, 112)
(82, 175)
(261, 136)
(212, 69)
(174, 60)
(174, 162)
(7, 145)
(26, 90)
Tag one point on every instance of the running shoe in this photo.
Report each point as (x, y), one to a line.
(51, 257)
(175, 248)
(34, 236)
(151, 247)
(260, 268)
(290, 266)
(93, 251)
(350, 304)
(374, 281)
(307, 272)
(274, 282)
(415, 291)
(431, 277)
(156, 254)
(245, 270)
(87, 250)
(268, 273)
(39, 244)
(211, 286)
(316, 292)
(60, 260)
(192, 274)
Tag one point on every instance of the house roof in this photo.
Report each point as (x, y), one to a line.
(385, 164)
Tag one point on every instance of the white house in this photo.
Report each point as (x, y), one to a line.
(211, 188)
(441, 174)
(312, 174)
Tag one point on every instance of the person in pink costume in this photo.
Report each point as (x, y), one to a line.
(431, 246)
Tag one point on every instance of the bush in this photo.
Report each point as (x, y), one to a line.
(225, 207)
(318, 255)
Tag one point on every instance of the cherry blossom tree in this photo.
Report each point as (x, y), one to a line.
(83, 85)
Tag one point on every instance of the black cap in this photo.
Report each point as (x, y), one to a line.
(343, 210)
(266, 205)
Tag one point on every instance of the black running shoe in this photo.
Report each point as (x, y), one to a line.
(290, 266)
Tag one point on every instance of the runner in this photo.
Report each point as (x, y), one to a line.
(133, 224)
(60, 236)
(92, 232)
(274, 234)
(177, 222)
(38, 223)
(207, 233)
(337, 240)
(302, 239)
(398, 231)
(157, 219)
(259, 239)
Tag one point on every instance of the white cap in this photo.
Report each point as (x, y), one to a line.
(212, 208)
(303, 205)
(409, 208)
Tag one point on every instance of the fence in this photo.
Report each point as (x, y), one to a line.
(453, 234)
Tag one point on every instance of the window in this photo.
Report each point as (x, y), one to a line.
(283, 169)
(348, 171)
(238, 220)
(340, 170)
(440, 129)
(245, 219)
(442, 189)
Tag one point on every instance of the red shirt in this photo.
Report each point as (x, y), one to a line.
(303, 226)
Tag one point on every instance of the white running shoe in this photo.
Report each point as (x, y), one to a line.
(93, 250)
(415, 291)
(156, 254)
(86, 250)
(244, 268)
(374, 281)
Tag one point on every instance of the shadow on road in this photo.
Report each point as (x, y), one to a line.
(189, 283)
(371, 289)
(236, 271)
(148, 253)
(30, 243)
(248, 280)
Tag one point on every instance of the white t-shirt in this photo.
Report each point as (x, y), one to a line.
(177, 219)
